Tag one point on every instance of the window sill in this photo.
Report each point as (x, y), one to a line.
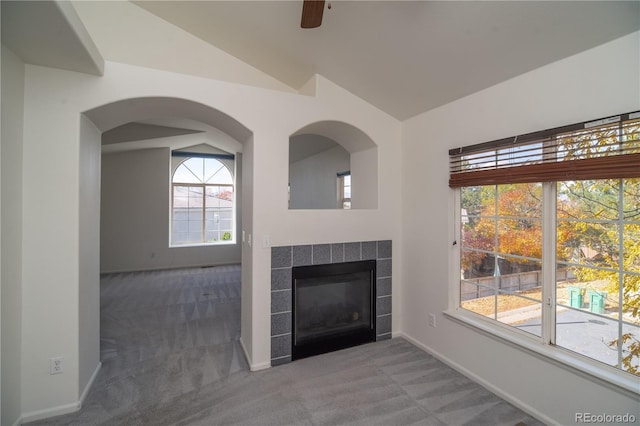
(218, 243)
(593, 370)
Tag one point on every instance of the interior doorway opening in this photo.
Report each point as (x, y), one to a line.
(130, 217)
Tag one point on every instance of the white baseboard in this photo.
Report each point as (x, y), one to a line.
(60, 409)
(254, 366)
(87, 388)
(464, 371)
(50, 412)
(244, 350)
(167, 268)
(260, 366)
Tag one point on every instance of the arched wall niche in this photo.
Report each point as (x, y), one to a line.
(319, 153)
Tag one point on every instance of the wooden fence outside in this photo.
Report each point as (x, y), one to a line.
(486, 286)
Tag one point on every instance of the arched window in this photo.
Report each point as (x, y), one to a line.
(202, 203)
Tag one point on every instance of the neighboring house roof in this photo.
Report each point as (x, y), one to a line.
(185, 197)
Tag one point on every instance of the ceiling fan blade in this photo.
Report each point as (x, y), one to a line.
(312, 13)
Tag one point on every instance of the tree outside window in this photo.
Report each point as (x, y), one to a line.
(554, 256)
(597, 289)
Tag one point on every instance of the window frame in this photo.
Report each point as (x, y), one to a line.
(185, 156)
(522, 340)
(543, 345)
(342, 200)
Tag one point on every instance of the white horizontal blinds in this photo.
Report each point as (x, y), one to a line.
(601, 149)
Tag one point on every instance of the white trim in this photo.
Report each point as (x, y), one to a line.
(544, 345)
(60, 409)
(549, 262)
(468, 373)
(260, 366)
(217, 243)
(92, 379)
(50, 412)
(170, 268)
(244, 351)
(454, 251)
(252, 366)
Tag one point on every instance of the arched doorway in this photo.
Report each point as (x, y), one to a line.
(135, 121)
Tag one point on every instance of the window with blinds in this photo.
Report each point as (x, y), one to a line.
(602, 149)
(547, 242)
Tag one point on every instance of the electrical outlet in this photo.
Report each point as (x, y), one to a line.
(56, 365)
(266, 241)
(432, 320)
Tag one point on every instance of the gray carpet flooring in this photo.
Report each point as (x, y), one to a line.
(171, 356)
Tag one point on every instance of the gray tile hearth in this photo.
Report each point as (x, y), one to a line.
(383, 305)
(352, 252)
(384, 249)
(280, 301)
(281, 257)
(302, 255)
(383, 287)
(337, 253)
(281, 279)
(321, 254)
(369, 250)
(284, 258)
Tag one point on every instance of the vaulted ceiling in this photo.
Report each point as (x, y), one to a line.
(403, 57)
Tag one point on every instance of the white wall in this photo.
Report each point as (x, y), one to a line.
(291, 227)
(246, 232)
(54, 102)
(89, 252)
(364, 179)
(574, 89)
(11, 279)
(599, 82)
(136, 213)
(314, 179)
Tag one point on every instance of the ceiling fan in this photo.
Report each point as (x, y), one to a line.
(312, 13)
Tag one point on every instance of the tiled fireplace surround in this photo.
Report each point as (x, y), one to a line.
(284, 258)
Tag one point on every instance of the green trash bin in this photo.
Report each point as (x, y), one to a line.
(596, 301)
(575, 297)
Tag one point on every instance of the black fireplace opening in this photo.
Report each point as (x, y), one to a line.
(333, 307)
